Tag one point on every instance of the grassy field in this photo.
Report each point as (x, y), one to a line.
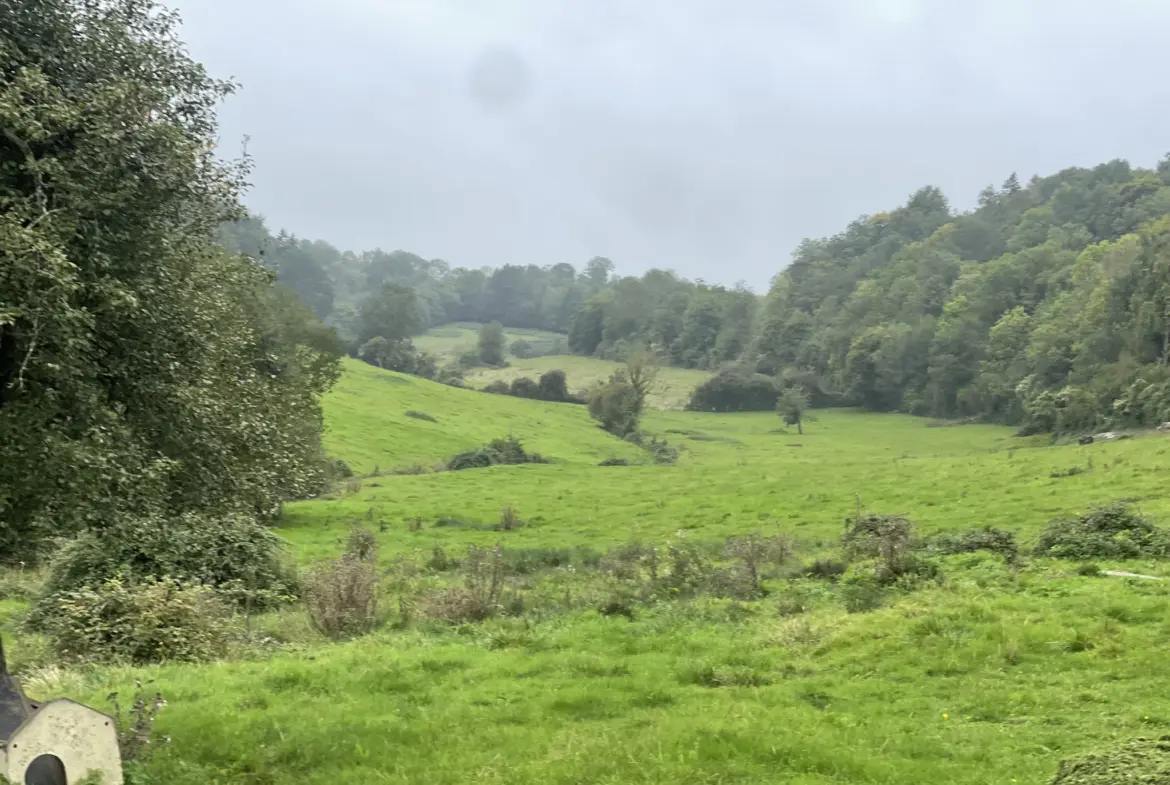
(376, 419)
(449, 341)
(991, 674)
(672, 391)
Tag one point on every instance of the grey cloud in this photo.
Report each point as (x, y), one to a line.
(700, 135)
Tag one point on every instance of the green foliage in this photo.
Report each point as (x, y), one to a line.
(887, 538)
(734, 389)
(491, 344)
(791, 405)
(232, 552)
(1137, 762)
(143, 369)
(522, 349)
(615, 406)
(523, 387)
(509, 451)
(399, 355)
(390, 313)
(554, 387)
(987, 538)
(154, 620)
(1112, 531)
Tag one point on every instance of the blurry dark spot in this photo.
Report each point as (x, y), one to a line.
(499, 79)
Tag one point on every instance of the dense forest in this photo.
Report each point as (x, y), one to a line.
(1048, 305)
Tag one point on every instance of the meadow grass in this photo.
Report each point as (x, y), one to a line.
(367, 422)
(671, 391)
(449, 341)
(991, 674)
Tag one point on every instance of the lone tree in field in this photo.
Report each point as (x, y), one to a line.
(491, 344)
(792, 404)
(641, 373)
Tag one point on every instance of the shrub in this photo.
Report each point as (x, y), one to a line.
(826, 569)
(523, 387)
(616, 406)
(862, 594)
(986, 539)
(212, 551)
(417, 415)
(887, 538)
(509, 520)
(1137, 762)
(362, 543)
(450, 375)
(154, 620)
(753, 553)
(400, 355)
(498, 387)
(687, 567)
(794, 602)
(614, 462)
(660, 450)
(496, 452)
(523, 349)
(1114, 531)
(479, 597)
(735, 389)
(554, 386)
(337, 469)
(341, 596)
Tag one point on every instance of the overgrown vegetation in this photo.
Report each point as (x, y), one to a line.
(152, 620)
(1137, 762)
(508, 451)
(1113, 531)
(552, 387)
(341, 596)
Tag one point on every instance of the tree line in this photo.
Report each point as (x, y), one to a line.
(1046, 306)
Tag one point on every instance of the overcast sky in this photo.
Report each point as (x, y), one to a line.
(705, 136)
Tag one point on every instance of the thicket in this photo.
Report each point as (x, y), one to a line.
(552, 387)
(341, 596)
(1115, 531)
(735, 389)
(496, 452)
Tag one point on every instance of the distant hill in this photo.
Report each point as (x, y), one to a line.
(367, 424)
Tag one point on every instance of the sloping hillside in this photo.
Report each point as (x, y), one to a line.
(672, 390)
(377, 418)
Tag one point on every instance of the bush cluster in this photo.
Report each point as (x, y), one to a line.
(494, 453)
(230, 551)
(735, 389)
(152, 620)
(552, 387)
(986, 539)
(1115, 531)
